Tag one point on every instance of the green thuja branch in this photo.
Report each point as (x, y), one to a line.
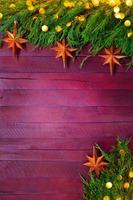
(81, 23)
(116, 181)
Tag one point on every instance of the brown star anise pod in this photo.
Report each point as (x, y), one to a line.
(96, 164)
(63, 50)
(112, 57)
(13, 41)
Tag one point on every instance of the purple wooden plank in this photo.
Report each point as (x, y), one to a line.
(66, 114)
(68, 98)
(34, 169)
(78, 144)
(64, 130)
(50, 64)
(42, 148)
(17, 153)
(75, 81)
(40, 185)
(41, 197)
(31, 51)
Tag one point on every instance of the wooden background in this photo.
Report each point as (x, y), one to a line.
(51, 117)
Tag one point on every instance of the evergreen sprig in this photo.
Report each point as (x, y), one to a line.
(100, 29)
(119, 174)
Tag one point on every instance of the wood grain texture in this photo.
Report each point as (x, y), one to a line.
(34, 169)
(65, 81)
(63, 130)
(40, 185)
(80, 98)
(51, 144)
(50, 118)
(40, 114)
(55, 196)
(50, 64)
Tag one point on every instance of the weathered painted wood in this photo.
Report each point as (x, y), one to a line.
(34, 169)
(69, 98)
(65, 81)
(56, 196)
(31, 51)
(64, 130)
(50, 64)
(54, 144)
(19, 153)
(40, 185)
(51, 117)
(53, 114)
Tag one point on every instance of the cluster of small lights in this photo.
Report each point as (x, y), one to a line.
(116, 5)
(121, 15)
(124, 185)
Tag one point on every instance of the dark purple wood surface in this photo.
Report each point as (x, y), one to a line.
(50, 118)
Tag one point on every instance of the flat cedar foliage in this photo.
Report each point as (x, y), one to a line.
(116, 182)
(81, 22)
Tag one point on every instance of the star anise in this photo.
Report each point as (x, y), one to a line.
(13, 41)
(112, 57)
(63, 50)
(96, 164)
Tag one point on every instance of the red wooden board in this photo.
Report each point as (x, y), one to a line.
(50, 118)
